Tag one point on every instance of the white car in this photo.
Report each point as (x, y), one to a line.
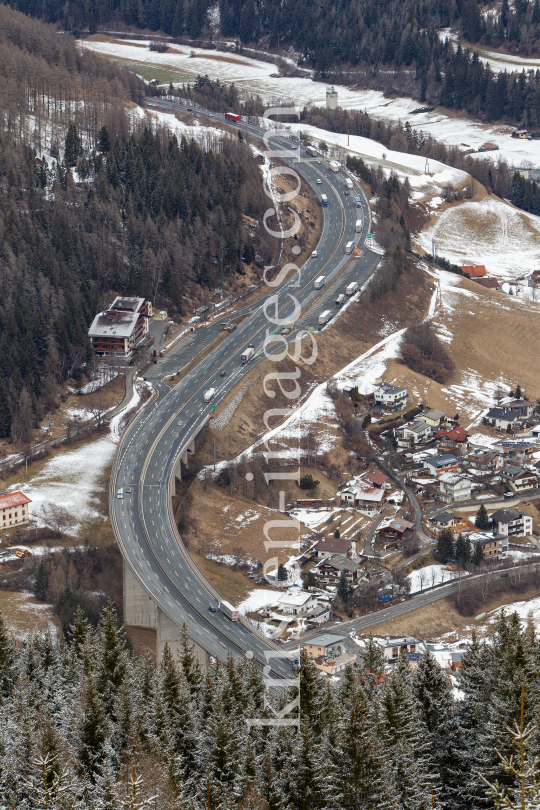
(314, 254)
(319, 181)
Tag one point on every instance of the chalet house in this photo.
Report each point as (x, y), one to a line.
(389, 396)
(330, 546)
(14, 509)
(534, 278)
(434, 417)
(297, 603)
(414, 433)
(119, 330)
(449, 438)
(375, 479)
(490, 283)
(512, 522)
(517, 447)
(329, 570)
(502, 418)
(412, 648)
(454, 487)
(437, 465)
(495, 546)
(474, 270)
(397, 531)
(455, 661)
(366, 498)
(519, 479)
(330, 653)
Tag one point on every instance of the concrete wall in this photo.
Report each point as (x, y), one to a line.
(168, 632)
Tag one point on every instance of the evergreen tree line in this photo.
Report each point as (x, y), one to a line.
(83, 722)
(516, 27)
(144, 218)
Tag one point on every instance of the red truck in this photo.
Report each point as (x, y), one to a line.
(232, 116)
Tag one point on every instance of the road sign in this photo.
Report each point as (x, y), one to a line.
(368, 236)
(214, 407)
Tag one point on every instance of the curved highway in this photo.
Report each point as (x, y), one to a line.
(147, 455)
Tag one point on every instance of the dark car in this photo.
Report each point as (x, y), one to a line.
(212, 609)
(190, 109)
(222, 373)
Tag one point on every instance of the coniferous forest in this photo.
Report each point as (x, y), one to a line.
(86, 725)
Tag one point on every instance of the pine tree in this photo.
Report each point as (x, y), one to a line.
(478, 555)
(134, 800)
(41, 582)
(103, 142)
(110, 643)
(463, 550)
(73, 146)
(445, 546)
(8, 660)
(482, 520)
(343, 588)
(93, 729)
(5, 412)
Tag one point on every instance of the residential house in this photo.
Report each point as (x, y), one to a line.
(488, 147)
(495, 546)
(456, 659)
(474, 270)
(117, 331)
(390, 396)
(413, 433)
(14, 509)
(502, 418)
(329, 569)
(364, 497)
(534, 278)
(375, 478)
(329, 546)
(522, 406)
(485, 460)
(454, 487)
(297, 603)
(437, 465)
(409, 646)
(449, 438)
(330, 653)
(490, 283)
(434, 417)
(512, 522)
(518, 478)
(447, 520)
(517, 447)
(397, 530)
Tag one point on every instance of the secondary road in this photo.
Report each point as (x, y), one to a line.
(142, 519)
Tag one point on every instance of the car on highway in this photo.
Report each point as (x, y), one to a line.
(314, 254)
(128, 490)
(319, 162)
(212, 609)
(190, 109)
(319, 181)
(120, 494)
(346, 192)
(222, 373)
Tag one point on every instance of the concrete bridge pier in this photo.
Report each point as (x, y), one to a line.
(140, 610)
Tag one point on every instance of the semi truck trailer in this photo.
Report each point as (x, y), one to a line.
(352, 288)
(210, 394)
(325, 316)
(247, 354)
(319, 282)
(228, 611)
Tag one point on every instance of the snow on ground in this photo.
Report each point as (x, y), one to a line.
(529, 609)
(254, 77)
(258, 599)
(429, 576)
(490, 232)
(72, 478)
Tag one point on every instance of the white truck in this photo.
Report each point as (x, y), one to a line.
(349, 247)
(340, 300)
(352, 288)
(334, 166)
(358, 227)
(228, 611)
(210, 394)
(348, 182)
(247, 354)
(311, 151)
(325, 316)
(319, 282)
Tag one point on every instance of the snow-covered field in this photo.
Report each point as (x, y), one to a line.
(255, 77)
(429, 576)
(490, 232)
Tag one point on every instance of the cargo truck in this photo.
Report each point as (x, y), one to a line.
(311, 151)
(324, 317)
(352, 288)
(232, 116)
(340, 300)
(324, 200)
(334, 166)
(247, 354)
(348, 182)
(319, 282)
(349, 247)
(358, 227)
(228, 611)
(210, 394)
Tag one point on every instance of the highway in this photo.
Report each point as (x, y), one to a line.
(146, 458)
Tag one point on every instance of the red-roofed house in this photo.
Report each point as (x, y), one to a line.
(14, 509)
(491, 283)
(474, 270)
(377, 479)
(448, 438)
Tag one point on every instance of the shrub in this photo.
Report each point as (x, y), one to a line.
(159, 47)
(307, 482)
(422, 351)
